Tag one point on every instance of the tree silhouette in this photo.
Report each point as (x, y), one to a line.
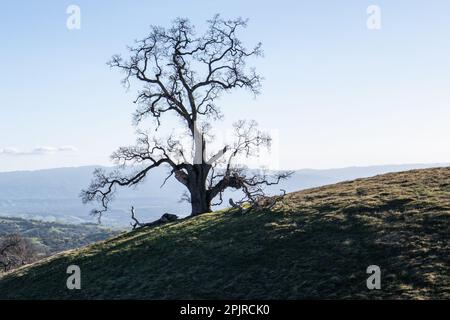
(182, 75)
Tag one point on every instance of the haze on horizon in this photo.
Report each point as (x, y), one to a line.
(336, 94)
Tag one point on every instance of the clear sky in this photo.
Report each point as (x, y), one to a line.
(337, 93)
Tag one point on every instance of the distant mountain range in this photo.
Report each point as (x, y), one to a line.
(52, 195)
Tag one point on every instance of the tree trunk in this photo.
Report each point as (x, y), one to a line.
(200, 204)
(200, 200)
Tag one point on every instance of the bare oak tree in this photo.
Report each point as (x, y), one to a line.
(182, 75)
(15, 251)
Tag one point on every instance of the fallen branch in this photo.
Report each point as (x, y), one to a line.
(165, 218)
(262, 203)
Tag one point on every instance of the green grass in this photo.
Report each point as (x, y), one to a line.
(315, 244)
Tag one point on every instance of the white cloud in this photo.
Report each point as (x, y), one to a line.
(37, 151)
(67, 148)
(10, 151)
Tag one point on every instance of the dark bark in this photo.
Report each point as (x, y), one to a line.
(200, 199)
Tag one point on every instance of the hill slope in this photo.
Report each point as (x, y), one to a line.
(315, 244)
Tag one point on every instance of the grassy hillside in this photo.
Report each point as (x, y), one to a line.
(315, 244)
(51, 237)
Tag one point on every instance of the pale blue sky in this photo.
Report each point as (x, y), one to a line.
(337, 93)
